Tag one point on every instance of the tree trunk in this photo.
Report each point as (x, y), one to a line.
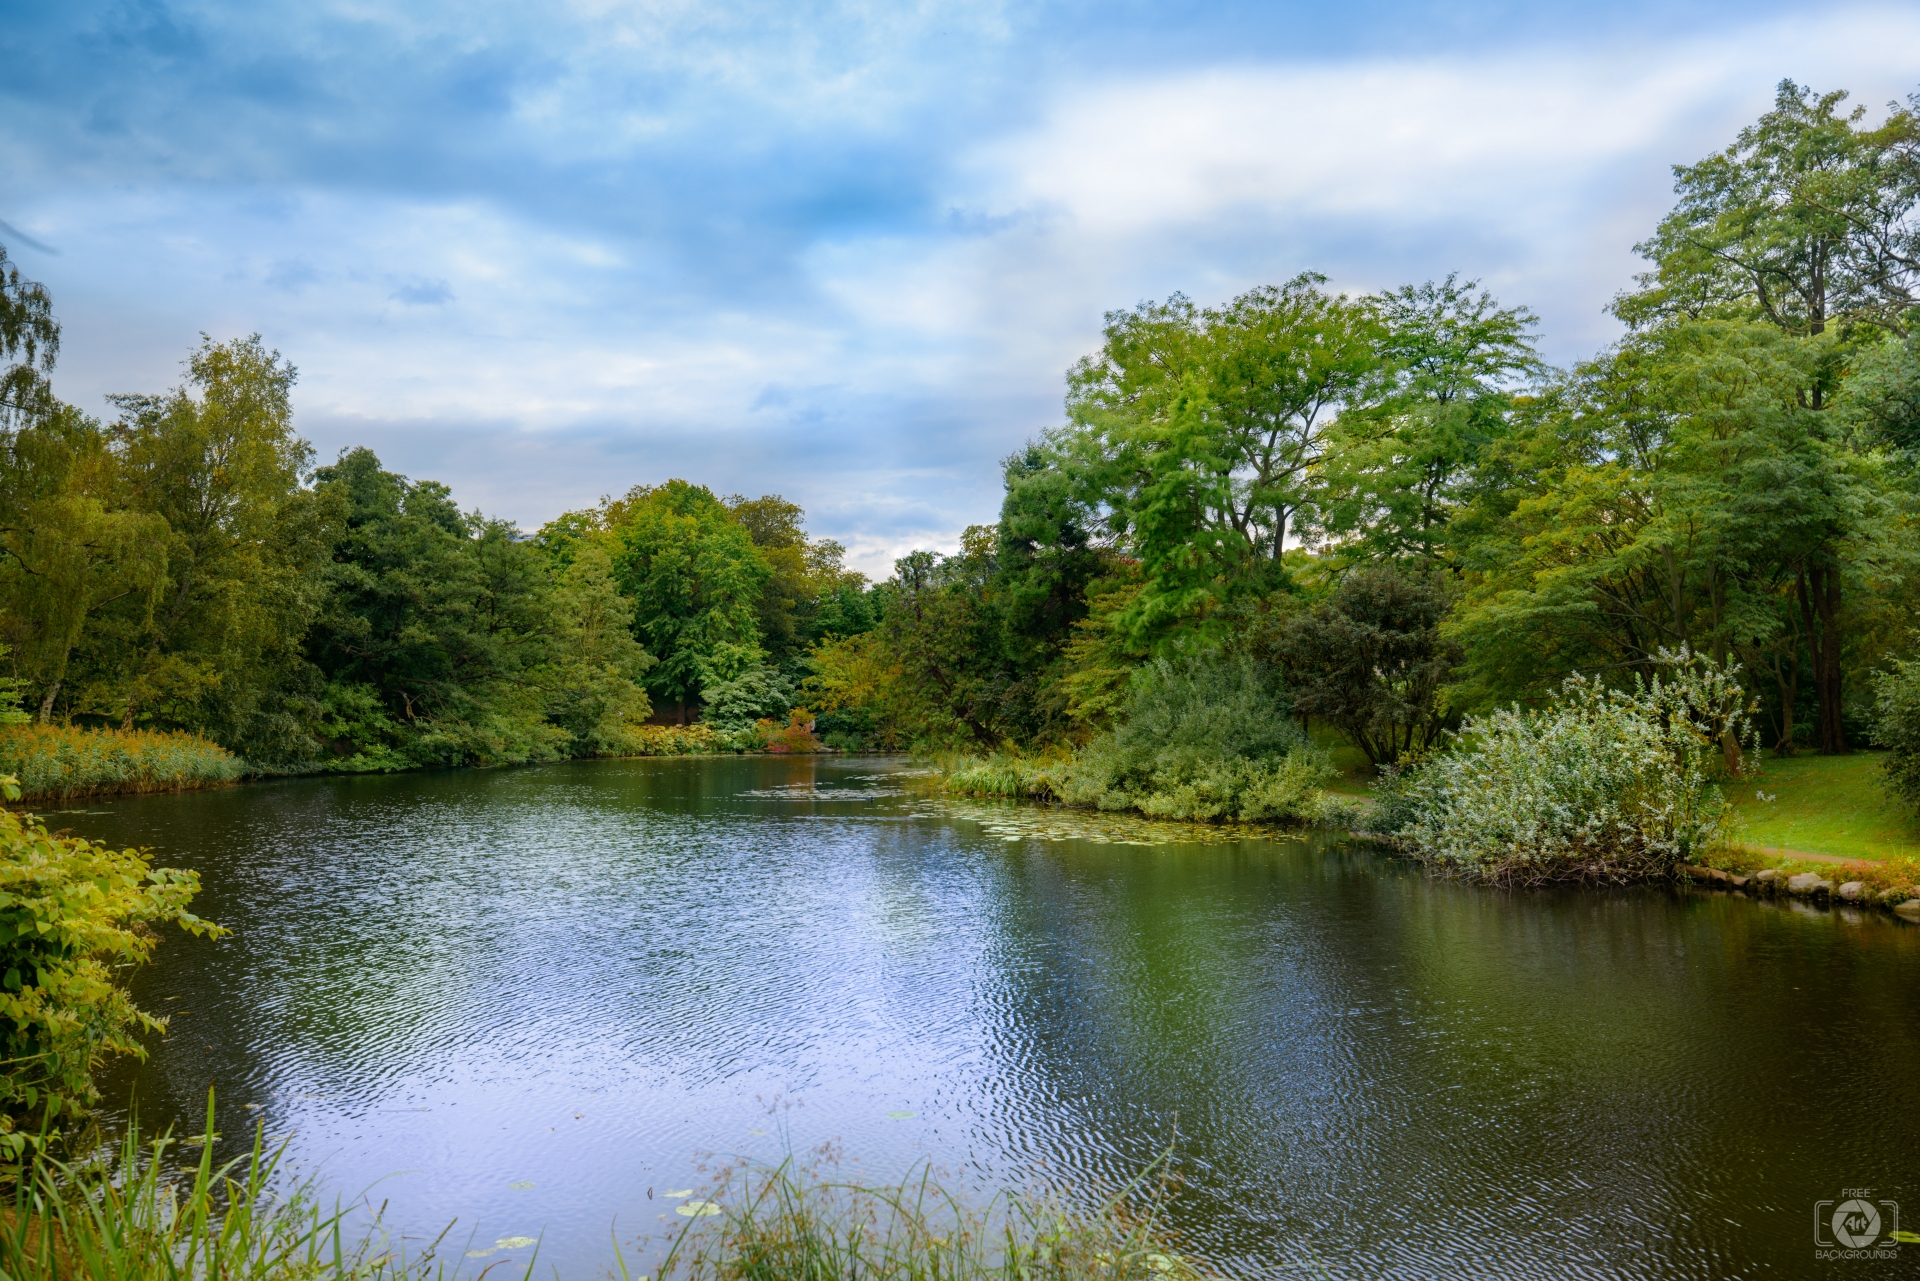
(46, 704)
(1818, 587)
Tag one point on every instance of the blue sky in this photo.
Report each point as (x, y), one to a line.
(844, 252)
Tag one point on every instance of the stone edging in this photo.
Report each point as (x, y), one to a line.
(1811, 885)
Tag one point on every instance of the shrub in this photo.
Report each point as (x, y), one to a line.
(60, 762)
(673, 740)
(755, 695)
(71, 913)
(1896, 727)
(1601, 785)
(1208, 739)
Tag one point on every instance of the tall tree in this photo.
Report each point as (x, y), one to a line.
(695, 578)
(1198, 432)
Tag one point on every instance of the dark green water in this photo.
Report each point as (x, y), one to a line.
(583, 977)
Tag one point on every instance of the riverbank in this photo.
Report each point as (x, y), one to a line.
(66, 763)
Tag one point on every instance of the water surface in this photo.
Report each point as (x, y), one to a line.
(524, 999)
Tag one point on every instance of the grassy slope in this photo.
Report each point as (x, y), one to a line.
(1826, 805)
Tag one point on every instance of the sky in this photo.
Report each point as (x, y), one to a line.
(844, 252)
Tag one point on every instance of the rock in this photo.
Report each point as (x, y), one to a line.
(1738, 882)
(1851, 890)
(1766, 877)
(1910, 909)
(1706, 874)
(1808, 883)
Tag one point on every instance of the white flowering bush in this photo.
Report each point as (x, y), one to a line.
(1601, 785)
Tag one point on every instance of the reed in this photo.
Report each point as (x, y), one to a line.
(130, 1214)
(62, 762)
(784, 1224)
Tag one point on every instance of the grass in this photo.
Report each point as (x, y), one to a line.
(132, 1216)
(782, 1224)
(1355, 776)
(1825, 805)
(62, 762)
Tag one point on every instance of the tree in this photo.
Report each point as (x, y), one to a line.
(695, 578)
(1401, 465)
(594, 682)
(1370, 660)
(1198, 432)
(807, 576)
(434, 640)
(29, 343)
(1808, 219)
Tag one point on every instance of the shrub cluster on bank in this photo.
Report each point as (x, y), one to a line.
(1599, 785)
(1208, 739)
(62, 762)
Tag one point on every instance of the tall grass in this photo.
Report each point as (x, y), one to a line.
(130, 1215)
(783, 1224)
(61, 762)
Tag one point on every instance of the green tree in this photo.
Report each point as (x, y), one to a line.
(695, 578)
(1400, 466)
(596, 694)
(29, 343)
(435, 637)
(1806, 220)
(1370, 660)
(1198, 434)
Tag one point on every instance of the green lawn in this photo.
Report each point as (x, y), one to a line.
(1825, 805)
(1356, 777)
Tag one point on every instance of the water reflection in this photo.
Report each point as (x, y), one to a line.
(541, 993)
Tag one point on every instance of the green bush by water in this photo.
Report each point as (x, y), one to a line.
(61, 762)
(1211, 739)
(73, 915)
(1600, 785)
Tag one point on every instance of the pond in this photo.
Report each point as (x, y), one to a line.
(531, 1000)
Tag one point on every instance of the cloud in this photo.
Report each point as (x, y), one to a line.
(423, 293)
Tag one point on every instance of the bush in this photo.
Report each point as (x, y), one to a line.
(60, 762)
(754, 695)
(71, 913)
(1896, 727)
(1208, 739)
(1601, 785)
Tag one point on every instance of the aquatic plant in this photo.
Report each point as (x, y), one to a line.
(762, 1224)
(61, 762)
(125, 1215)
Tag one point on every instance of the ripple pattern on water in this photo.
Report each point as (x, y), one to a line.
(534, 998)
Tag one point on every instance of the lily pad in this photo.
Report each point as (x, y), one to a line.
(513, 1243)
(521, 1186)
(681, 1192)
(695, 1209)
(478, 1254)
(899, 1116)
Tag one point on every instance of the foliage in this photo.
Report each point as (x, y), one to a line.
(695, 578)
(29, 343)
(785, 1222)
(1806, 219)
(1198, 432)
(443, 623)
(592, 685)
(1207, 738)
(61, 762)
(127, 1216)
(1896, 727)
(71, 913)
(1371, 661)
(1600, 785)
(754, 695)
